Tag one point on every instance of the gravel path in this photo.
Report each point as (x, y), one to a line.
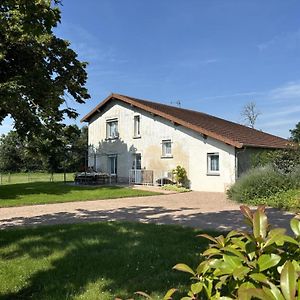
(195, 209)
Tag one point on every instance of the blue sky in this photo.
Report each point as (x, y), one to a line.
(213, 56)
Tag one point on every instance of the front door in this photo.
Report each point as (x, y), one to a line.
(137, 166)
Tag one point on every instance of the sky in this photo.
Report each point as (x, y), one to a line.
(214, 56)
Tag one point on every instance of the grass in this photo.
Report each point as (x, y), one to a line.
(54, 192)
(95, 260)
(11, 178)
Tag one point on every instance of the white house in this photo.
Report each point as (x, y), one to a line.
(144, 141)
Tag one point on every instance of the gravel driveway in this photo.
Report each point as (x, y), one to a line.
(196, 209)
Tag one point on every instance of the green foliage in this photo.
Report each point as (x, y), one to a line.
(37, 69)
(284, 160)
(67, 151)
(175, 188)
(258, 183)
(288, 200)
(262, 264)
(295, 133)
(180, 176)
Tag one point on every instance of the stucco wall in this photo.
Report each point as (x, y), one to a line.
(189, 148)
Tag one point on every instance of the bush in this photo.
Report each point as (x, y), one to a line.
(262, 264)
(180, 176)
(259, 183)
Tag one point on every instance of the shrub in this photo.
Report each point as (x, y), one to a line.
(259, 183)
(263, 264)
(180, 176)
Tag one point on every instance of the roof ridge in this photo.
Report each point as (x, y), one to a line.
(197, 112)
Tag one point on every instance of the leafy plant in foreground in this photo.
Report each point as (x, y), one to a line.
(263, 264)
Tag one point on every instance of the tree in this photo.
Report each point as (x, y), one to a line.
(295, 133)
(250, 114)
(37, 69)
(43, 152)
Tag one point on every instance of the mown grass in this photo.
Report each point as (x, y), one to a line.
(54, 192)
(95, 260)
(11, 178)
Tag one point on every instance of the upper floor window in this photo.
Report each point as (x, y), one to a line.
(137, 126)
(166, 148)
(213, 165)
(112, 129)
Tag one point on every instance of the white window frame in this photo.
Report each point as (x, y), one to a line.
(109, 134)
(137, 126)
(115, 157)
(209, 163)
(164, 153)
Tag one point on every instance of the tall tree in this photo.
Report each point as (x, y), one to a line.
(250, 114)
(295, 133)
(37, 69)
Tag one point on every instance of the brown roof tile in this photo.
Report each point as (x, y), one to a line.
(228, 132)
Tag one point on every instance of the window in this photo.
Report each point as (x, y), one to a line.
(112, 164)
(112, 129)
(137, 122)
(166, 148)
(213, 166)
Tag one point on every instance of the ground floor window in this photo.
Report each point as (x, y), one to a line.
(213, 165)
(112, 164)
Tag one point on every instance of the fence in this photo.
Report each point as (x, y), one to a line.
(141, 177)
(11, 178)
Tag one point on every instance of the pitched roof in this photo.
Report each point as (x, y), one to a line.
(226, 131)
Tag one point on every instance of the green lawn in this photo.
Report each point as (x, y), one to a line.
(95, 260)
(53, 192)
(10, 178)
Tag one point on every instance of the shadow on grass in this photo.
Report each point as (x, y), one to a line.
(14, 191)
(123, 257)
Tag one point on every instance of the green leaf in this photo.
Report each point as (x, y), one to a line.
(203, 267)
(211, 251)
(274, 235)
(232, 261)
(260, 277)
(204, 235)
(267, 261)
(143, 294)
(196, 288)
(295, 225)
(288, 281)
(234, 252)
(274, 292)
(260, 223)
(240, 272)
(169, 294)
(184, 268)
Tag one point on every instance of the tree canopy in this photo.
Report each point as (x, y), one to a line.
(295, 133)
(38, 70)
(44, 153)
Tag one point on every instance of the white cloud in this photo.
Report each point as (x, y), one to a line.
(190, 63)
(288, 40)
(290, 90)
(283, 112)
(233, 95)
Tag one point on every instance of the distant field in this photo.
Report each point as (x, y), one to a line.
(12, 178)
